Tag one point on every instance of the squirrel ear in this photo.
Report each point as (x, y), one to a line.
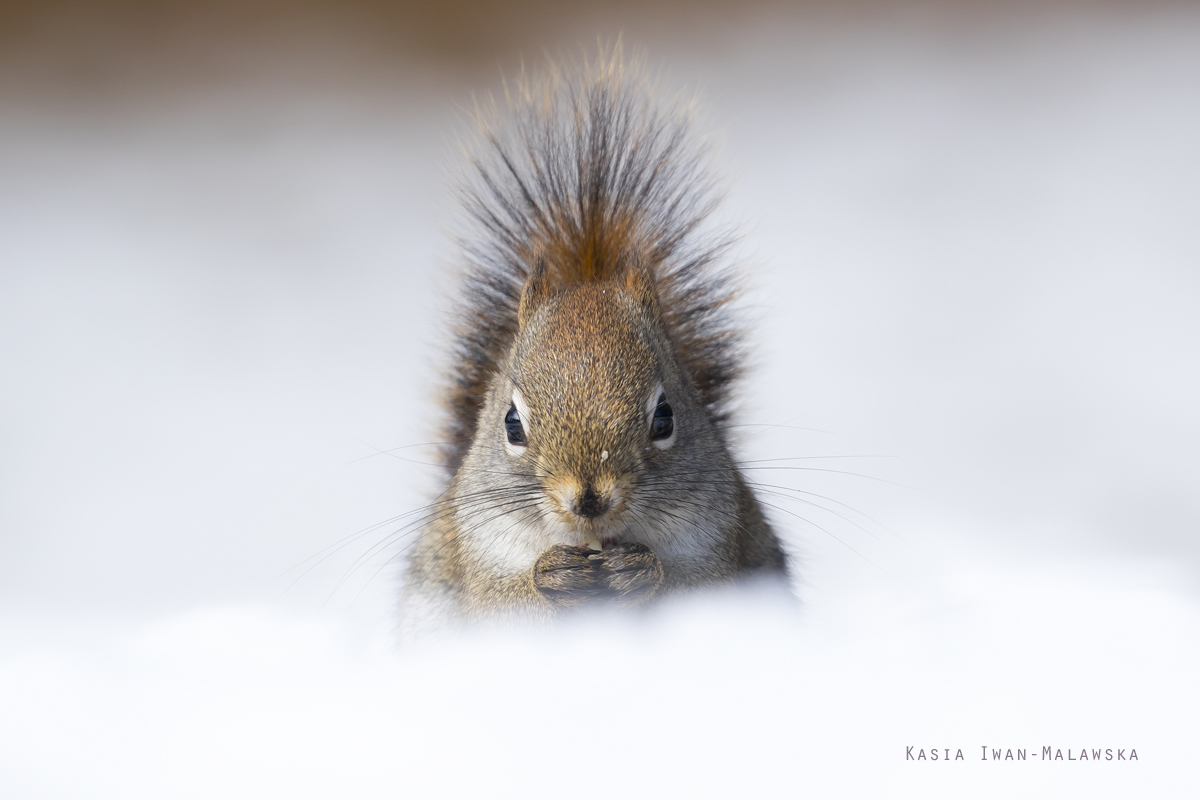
(639, 284)
(537, 289)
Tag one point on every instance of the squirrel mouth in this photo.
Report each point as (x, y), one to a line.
(594, 542)
(601, 533)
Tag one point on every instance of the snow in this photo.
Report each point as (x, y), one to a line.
(974, 257)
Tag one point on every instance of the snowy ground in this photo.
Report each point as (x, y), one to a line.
(977, 263)
(732, 695)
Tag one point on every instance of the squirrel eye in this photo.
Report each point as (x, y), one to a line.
(663, 423)
(513, 427)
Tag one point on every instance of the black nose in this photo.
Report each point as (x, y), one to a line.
(591, 504)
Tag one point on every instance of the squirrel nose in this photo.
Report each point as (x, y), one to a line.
(591, 504)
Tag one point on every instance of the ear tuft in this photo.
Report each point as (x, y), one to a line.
(537, 289)
(639, 284)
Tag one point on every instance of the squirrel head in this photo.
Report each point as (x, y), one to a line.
(592, 401)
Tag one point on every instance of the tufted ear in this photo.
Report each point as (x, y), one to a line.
(537, 289)
(639, 284)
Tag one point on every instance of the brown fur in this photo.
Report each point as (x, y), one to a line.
(585, 175)
(588, 291)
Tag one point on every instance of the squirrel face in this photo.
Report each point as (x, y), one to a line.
(591, 403)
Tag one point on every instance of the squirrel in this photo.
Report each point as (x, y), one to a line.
(590, 365)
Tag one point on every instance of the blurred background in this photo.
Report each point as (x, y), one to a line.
(973, 238)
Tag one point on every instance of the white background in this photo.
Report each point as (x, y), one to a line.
(974, 253)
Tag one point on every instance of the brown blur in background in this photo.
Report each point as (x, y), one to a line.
(223, 249)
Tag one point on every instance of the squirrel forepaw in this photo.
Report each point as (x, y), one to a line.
(631, 572)
(566, 576)
(626, 574)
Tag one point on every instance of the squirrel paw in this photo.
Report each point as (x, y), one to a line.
(631, 572)
(566, 576)
(625, 574)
